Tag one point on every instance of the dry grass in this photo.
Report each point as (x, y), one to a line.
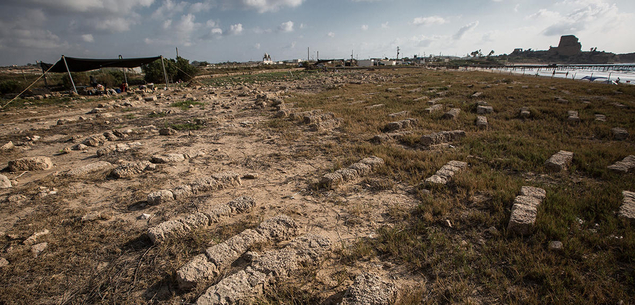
(473, 261)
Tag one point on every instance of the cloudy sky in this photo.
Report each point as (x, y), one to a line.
(242, 30)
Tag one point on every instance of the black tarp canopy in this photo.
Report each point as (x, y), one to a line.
(87, 64)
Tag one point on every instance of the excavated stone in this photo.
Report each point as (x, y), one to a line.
(445, 173)
(559, 161)
(436, 179)
(398, 114)
(168, 158)
(159, 197)
(572, 116)
(238, 288)
(361, 168)
(303, 250)
(619, 133)
(278, 228)
(197, 269)
(4, 182)
(325, 125)
(182, 191)
(331, 180)
(433, 108)
(205, 184)
(627, 210)
(39, 248)
(370, 289)
(92, 168)
(451, 114)
(30, 164)
(484, 109)
(33, 238)
(131, 169)
(442, 137)
(166, 230)
(228, 179)
(407, 123)
(95, 140)
(241, 204)
(623, 166)
(523, 214)
(481, 122)
(318, 118)
(195, 220)
(525, 113)
(225, 253)
(535, 192)
(373, 162)
(347, 174)
(600, 118)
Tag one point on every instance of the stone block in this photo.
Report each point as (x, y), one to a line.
(619, 134)
(481, 122)
(370, 289)
(159, 197)
(559, 161)
(627, 210)
(484, 109)
(30, 164)
(92, 168)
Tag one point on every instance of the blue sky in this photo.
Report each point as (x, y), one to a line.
(242, 30)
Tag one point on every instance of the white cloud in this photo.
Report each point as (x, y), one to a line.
(286, 27)
(257, 46)
(262, 6)
(211, 23)
(464, 29)
(88, 38)
(385, 25)
(114, 24)
(235, 29)
(169, 8)
(216, 31)
(428, 21)
(330, 34)
(364, 27)
(167, 24)
(85, 6)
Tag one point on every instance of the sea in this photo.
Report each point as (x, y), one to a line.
(613, 74)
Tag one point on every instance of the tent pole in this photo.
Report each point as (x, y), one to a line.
(125, 78)
(164, 74)
(44, 75)
(69, 74)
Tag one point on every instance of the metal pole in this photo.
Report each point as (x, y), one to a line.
(164, 73)
(124, 72)
(69, 74)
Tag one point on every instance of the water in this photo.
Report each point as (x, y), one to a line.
(626, 75)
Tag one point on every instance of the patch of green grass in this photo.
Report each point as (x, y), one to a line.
(186, 126)
(185, 105)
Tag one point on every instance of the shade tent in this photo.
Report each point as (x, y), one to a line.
(72, 64)
(87, 64)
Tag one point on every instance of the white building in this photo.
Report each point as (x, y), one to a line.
(266, 60)
(365, 63)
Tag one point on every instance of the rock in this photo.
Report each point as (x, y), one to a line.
(398, 114)
(445, 173)
(8, 146)
(623, 166)
(525, 113)
(452, 114)
(331, 180)
(600, 118)
(182, 192)
(250, 176)
(559, 161)
(477, 94)
(3, 262)
(525, 210)
(407, 123)
(95, 140)
(373, 162)
(433, 108)
(555, 245)
(168, 158)
(370, 289)
(572, 116)
(227, 179)
(79, 146)
(4, 182)
(197, 269)
(39, 248)
(347, 174)
(361, 168)
(442, 137)
(33, 238)
(484, 109)
(151, 98)
(89, 169)
(481, 122)
(167, 131)
(159, 197)
(131, 169)
(30, 164)
(619, 133)
(627, 210)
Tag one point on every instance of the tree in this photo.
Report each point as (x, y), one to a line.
(179, 69)
(490, 53)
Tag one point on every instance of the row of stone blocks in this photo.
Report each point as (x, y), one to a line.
(219, 257)
(207, 216)
(627, 210)
(442, 137)
(316, 120)
(623, 166)
(446, 172)
(355, 170)
(525, 210)
(204, 184)
(272, 266)
(407, 123)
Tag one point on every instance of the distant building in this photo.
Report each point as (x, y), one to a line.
(365, 63)
(266, 60)
(568, 46)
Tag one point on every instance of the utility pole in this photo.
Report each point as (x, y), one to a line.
(308, 54)
(177, 52)
(397, 53)
(318, 55)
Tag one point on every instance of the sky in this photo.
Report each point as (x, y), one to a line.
(243, 30)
